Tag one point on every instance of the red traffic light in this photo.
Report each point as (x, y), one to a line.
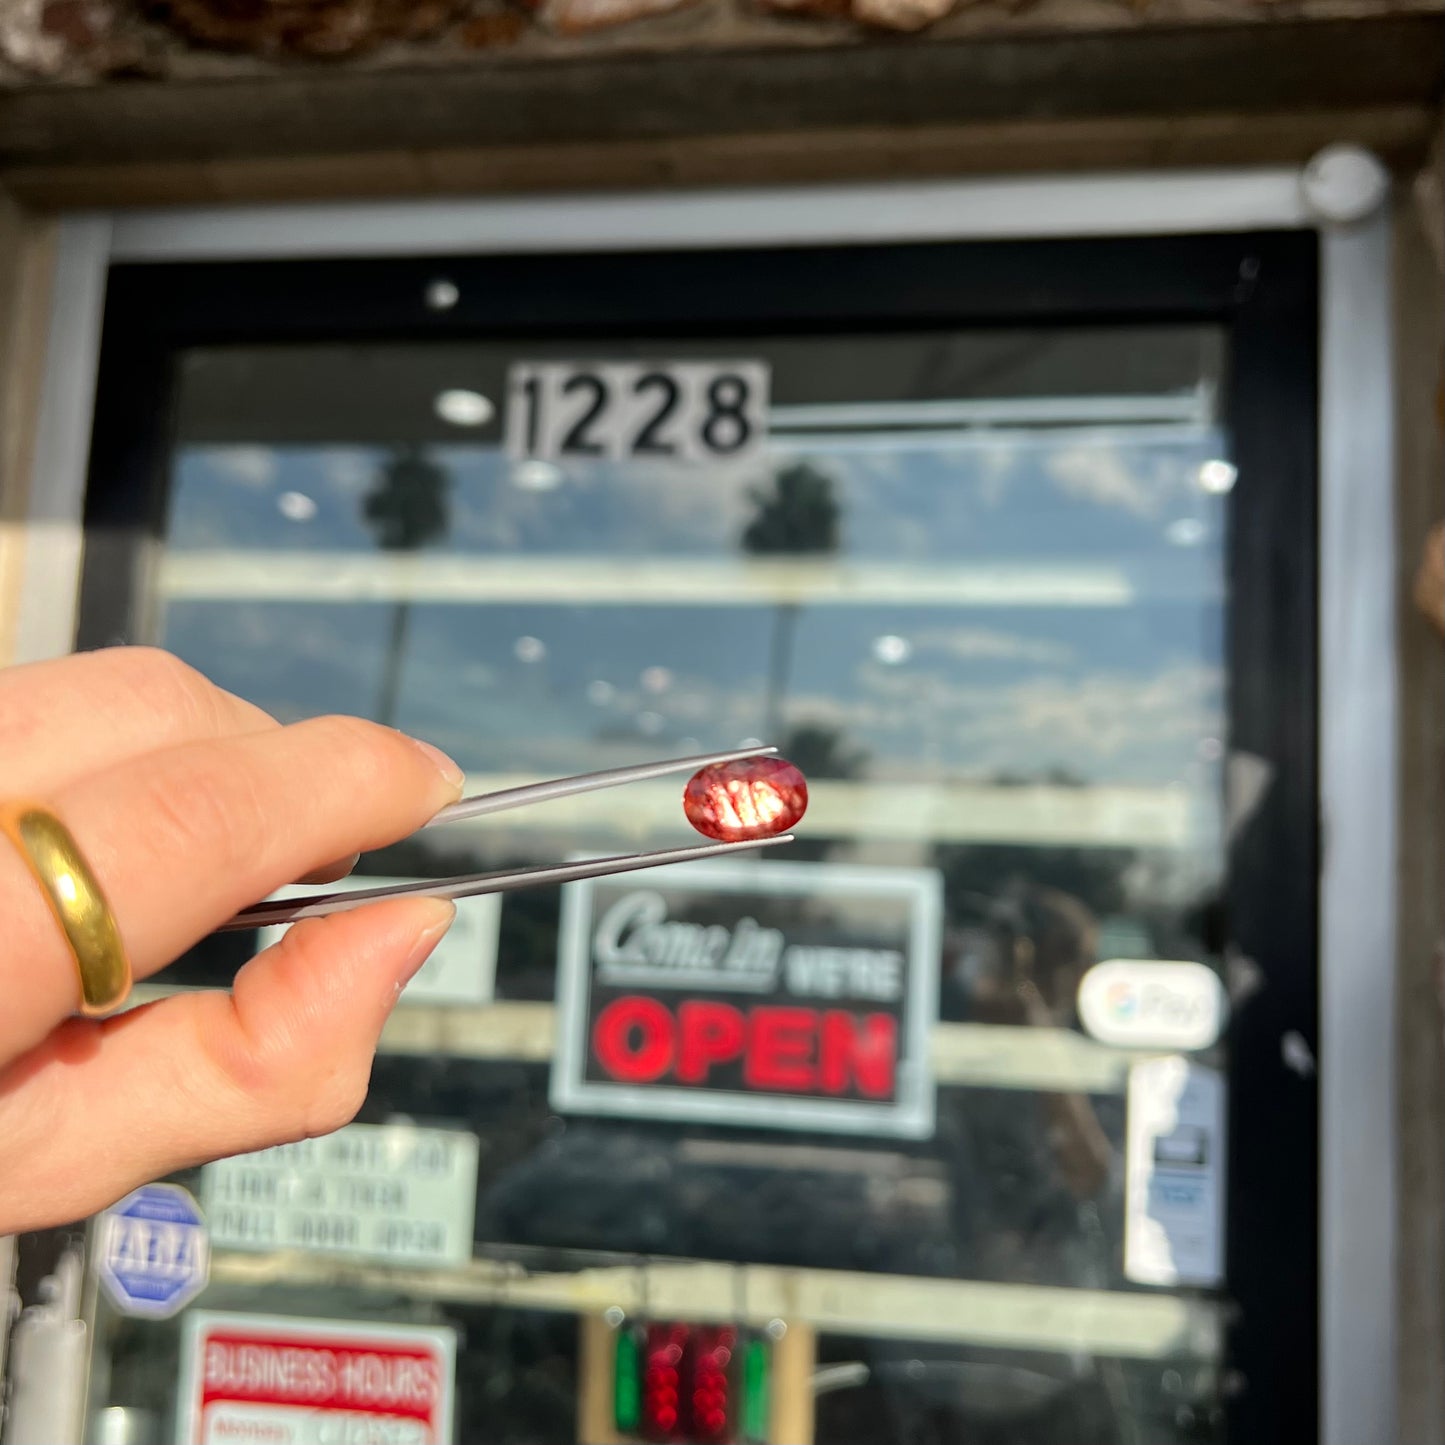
(686, 1389)
(662, 1361)
(711, 1359)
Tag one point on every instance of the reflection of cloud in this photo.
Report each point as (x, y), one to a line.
(972, 703)
(1106, 715)
(863, 467)
(1098, 473)
(347, 469)
(976, 643)
(687, 505)
(243, 465)
(1111, 726)
(478, 674)
(995, 467)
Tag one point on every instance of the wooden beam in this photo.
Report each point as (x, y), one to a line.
(1420, 993)
(596, 1343)
(1127, 1324)
(702, 90)
(1398, 134)
(795, 1357)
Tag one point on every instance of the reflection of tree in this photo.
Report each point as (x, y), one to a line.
(1054, 777)
(1094, 876)
(796, 515)
(823, 752)
(407, 508)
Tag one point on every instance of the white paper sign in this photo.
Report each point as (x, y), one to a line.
(462, 967)
(378, 1191)
(1174, 1201)
(274, 1380)
(678, 411)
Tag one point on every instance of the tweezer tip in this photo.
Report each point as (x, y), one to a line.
(723, 754)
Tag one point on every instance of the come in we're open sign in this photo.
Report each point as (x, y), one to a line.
(781, 995)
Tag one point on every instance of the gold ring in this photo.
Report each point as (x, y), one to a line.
(76, 900)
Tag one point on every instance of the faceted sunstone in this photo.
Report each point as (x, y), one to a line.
(750, 798)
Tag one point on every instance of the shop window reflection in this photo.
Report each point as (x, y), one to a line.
(989, 631)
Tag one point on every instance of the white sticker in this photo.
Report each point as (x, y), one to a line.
(1174, 1187)
(152, 1253)
(462, 967)
(624, 411)
(1152, 1004)
(376, 1191)
(273, 1380)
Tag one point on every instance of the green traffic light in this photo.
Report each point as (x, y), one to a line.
(755, 1390)
(627, 1383)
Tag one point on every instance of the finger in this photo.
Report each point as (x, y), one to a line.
(65, 719)
(195, 1077)
(180, 840)
(331, 872)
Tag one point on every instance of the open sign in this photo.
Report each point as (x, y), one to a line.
(833, 1052)
(787, 995)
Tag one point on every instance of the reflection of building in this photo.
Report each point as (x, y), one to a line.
(1050, 625)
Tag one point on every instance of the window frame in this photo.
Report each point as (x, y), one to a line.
(1344, 532)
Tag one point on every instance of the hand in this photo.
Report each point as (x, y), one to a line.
(189, 804)
(1035, 1009)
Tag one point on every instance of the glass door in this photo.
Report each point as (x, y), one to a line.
(961, 1119)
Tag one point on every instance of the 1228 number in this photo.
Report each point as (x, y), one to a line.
(686, 411)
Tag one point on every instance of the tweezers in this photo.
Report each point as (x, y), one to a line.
(316, 905)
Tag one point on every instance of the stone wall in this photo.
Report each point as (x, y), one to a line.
(89, 41)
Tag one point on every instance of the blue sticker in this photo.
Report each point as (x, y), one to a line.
(153, 1254)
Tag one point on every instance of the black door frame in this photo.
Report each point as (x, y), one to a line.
(1263, 287)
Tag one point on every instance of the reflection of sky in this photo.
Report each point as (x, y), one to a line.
(1120, 694)
(1080, 494)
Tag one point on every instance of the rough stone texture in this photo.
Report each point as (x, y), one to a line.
(577, 17)
(304, 27)
(504, 27)
(78, 40)
(84, 41)
(905, 15)
(821, 9)
(24, 40)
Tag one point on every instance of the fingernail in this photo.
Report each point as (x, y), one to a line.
(446, 766)
(445, 910)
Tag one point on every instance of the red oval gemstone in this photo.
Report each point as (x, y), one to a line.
(751, 798)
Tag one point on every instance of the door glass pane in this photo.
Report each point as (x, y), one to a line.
(974, 586)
